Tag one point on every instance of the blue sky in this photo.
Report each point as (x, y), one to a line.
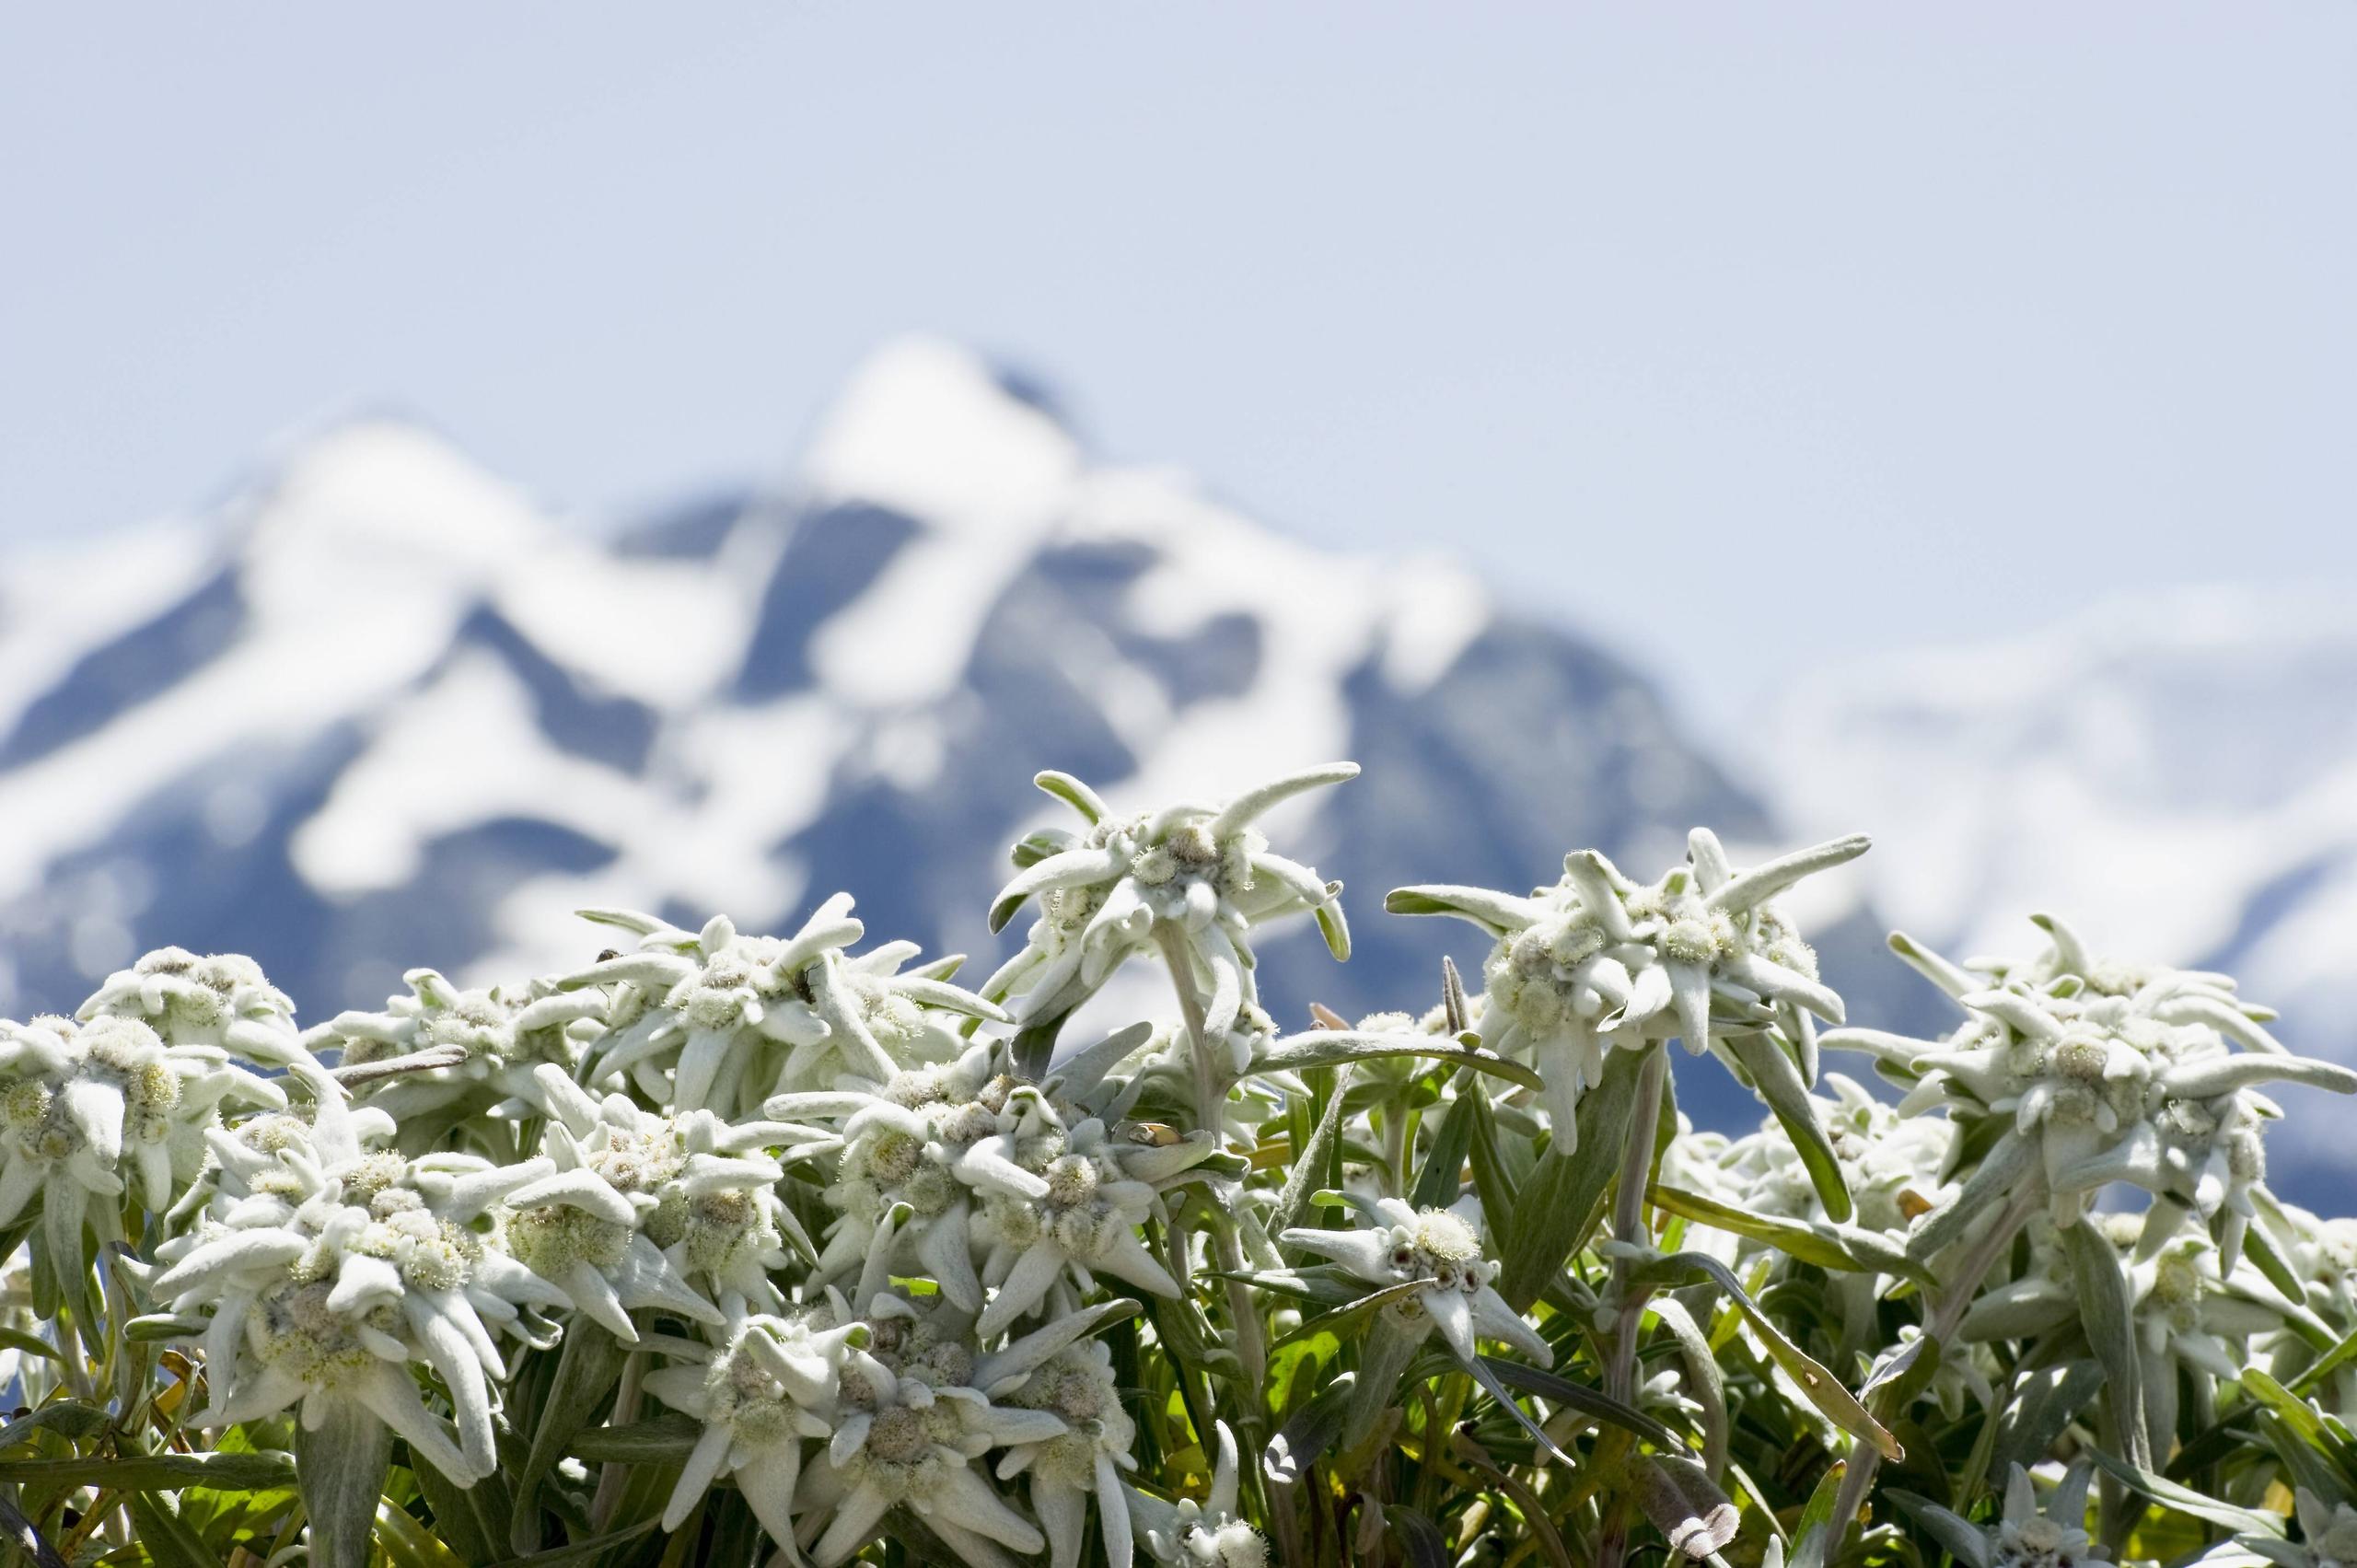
(1758, 335)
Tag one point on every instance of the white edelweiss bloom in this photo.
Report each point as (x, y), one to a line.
(1200, 871)
(1435, 1250)
(771, 1382)
(638, 1203)
(914, 1414)
(738, 1017)
(2331, 1529)
(1077, 1386)
(2108, 1072)
(2022, 1537)
(102, 1109)
(221, 1000)
(339, 1266)
(1597, 961)
(2189, 1311)
(441, 1055)
(1209, 1534)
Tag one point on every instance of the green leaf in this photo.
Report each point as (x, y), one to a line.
(1302, 1180)
(667, 1436)
(409, 1544)
(1329, 1048)
(170, 1541)
(579, 1552)
(1844, 1249)
(1816, 1533)
(26, 1539)
(2109, 1319)
(1823, 1389)
(1443, 1178)
(2332, 1361)
(2047, 1401)
(1779, 1082)
(157, 1472)
(30, 1344)
(1588, 1401)
(587, 1367)
(1958, 1536)
(1555, 1210)
(70, 1419)
(1073, 793)
(2185, 1499)
(1341, 1321)
(1419, 1540)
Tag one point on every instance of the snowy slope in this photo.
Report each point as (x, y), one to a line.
(382, 709)
(2175, 774)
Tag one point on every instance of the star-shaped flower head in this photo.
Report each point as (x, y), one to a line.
(2022, 1537)
(223, 1000)
(2107, 1072)
(1440, 1255)
(640, 1203)
(344, 1265)
(439, 1055)
(915, 1410)
(770, 1383)
(737, 1018)
(1202, 872)
(1209, 1534)
(1077, 1386)
(105, 1109)
(1598, 960)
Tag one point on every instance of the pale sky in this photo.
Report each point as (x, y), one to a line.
(1764, 335)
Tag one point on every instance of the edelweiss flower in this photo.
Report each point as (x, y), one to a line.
(1202, 1534)
(639, 1202)
(1201, 871)
(223, 1000)
(771, 1383)
(1439, 1251)
(738, 1018)
(84, 1106)
(2108, 1072)
(917, 1411)
(1597, 960)
(457, 1052)
(1076, 1385)
(2024, 1538)
(340, 1267)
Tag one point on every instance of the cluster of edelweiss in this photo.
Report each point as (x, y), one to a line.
(864, 1227)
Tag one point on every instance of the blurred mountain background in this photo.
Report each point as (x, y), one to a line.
(377, 710)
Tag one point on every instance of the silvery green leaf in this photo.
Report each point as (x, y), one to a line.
(1073, 793)
(2045, 1402)
(1495, 912)
(1419, 1540)
(341, 1470)
(588, 1366)
(1308, 1433)
(2107, 1314)
(1822, 1388)
(1842, 1247)
(164, 1536)
(1779, 1082)
(1560, 1390)
(1696, 1517)
(1310, 1164)
(1964, 1541)
(2185, 1499)
(1327, 1048)
(1554, 1208)
(670, 1436)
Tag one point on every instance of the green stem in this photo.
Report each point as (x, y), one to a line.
(1629, 1227)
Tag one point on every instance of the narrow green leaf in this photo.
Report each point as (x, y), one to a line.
(70, 1419)
(2185, 1499)
(1958, 1536)
(1419, 1540)
(409, 1544)
(667, 1436)
(1841, 1248)
(170, 1541)
(1823, 1389)
(1816, 1533)
(1302, 1180)
(588, 1366)
(579, 1552)
(1443, 1178)
(1588, 1401)
(2109, 1316)
(1329, 1048)
(1555, 1210)
(1778, 1080)
(157, 1472)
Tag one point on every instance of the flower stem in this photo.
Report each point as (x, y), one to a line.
(1974, 1267)
(1629, 1226)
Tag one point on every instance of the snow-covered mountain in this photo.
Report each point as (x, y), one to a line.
(380, 710)
(2175, 774)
